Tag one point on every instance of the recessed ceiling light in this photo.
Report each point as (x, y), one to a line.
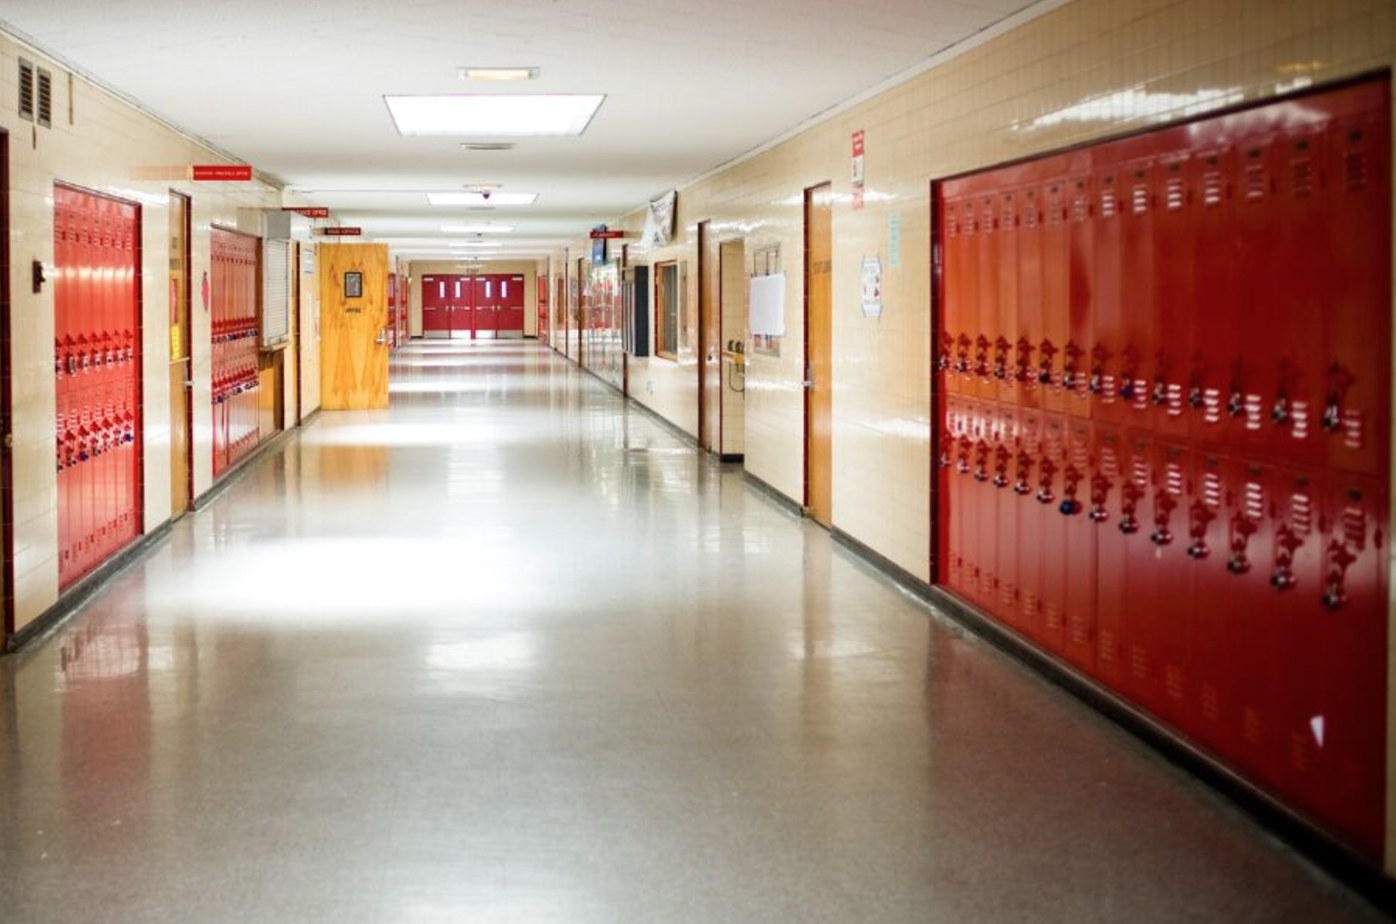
(493, 115)
(498, 73)
(478, 228)
(488, 146)
(481, 199)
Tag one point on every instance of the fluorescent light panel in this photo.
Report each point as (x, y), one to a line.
(493, 115)
(498, 73)
(480, 199)
(472, 244)
(484, 228)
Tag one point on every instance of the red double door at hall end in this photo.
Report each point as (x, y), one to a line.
(486, 304)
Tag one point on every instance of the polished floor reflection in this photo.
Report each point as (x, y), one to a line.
(512, 652)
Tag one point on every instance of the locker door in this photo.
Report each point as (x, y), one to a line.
(1251, 542)
(1109, 327)
(1026, 465)
(1001, 507)
(1356, 281)
(1348, 639)
(1213, 645)
(974, 521)
(1004, 333)
(1080, 344)
(1171, 612)
(1037, 206)
(1079, 551)
(949, 520)
(970, 279)
(1216, 371)
(1138, 359)
(1051, 537)
(1173, 348)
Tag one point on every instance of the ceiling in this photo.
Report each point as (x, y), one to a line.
(296, 89)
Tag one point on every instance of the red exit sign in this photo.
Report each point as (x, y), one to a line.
(340, 232)
(308, 211)
(221, 173)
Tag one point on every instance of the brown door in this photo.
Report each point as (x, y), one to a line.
(181, 377)
(7, 536)
(819, 392)
(710, 346)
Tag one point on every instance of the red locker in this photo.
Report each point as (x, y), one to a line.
(1026, 469)
(1036, 207)
(1216, 371)
(1108, 364)
(1080, 345)
(1051, 535)
(97, 378)
(1003, 309)
(1346, 621)
(1356, 302)
(1079, 552)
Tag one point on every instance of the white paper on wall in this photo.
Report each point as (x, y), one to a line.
(768, 305)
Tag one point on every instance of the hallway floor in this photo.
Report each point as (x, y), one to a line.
(512, 652)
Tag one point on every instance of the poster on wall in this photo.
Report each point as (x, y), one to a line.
(659, 221)
(767, 305)
(872, 287)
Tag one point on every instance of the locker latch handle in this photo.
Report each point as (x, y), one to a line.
(1070, 506)
(1339, 381)
(1287, 542)
(1164, 505)
(1201, 516)
(1044, 484)
(1241, 531)
(1100, 495)
(1131, 495)
(1021, 486)
(1335, 585)
(1001, 457)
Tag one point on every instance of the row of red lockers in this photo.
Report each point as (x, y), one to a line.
(479, 303)
(1210, 282)
(236, 422)
(1163, 453)
(97, 364)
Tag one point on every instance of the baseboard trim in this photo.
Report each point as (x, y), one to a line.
(73, 599)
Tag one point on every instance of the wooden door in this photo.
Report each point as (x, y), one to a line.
(181, 376)
(819, 390)
(709, 345)
(353, 329)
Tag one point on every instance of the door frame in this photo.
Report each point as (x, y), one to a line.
(7, 492)
(809, 195)
(187, 321)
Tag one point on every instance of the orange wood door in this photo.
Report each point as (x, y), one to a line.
(353, 320)
(710, 346)
(181, 375)
(819, 391)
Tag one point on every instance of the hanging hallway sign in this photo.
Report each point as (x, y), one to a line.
(340, 232)
(220, 173)
(858, 170)
(307, 211)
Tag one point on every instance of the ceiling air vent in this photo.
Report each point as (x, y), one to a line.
(488, 146)
(45, 113)
(26, 90)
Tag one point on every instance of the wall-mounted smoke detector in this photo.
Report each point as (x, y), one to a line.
(498, 73)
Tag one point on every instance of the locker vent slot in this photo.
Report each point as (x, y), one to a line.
(1109, 203)
(1139, 199)
(26, 90)
(45, 107)
(1255, 180)
(1212, 490)
(276, 294)
(952, 224)
(1303, 176)
(1354, 527)
(1173, 480)
(1301, 513)
(986, 221)
(1253, 502)
(1355, 170)
(1080, 206)
(1176, 197)
(1212, 188)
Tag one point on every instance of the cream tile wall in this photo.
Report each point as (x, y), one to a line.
(112, 148)
(1137, 63)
